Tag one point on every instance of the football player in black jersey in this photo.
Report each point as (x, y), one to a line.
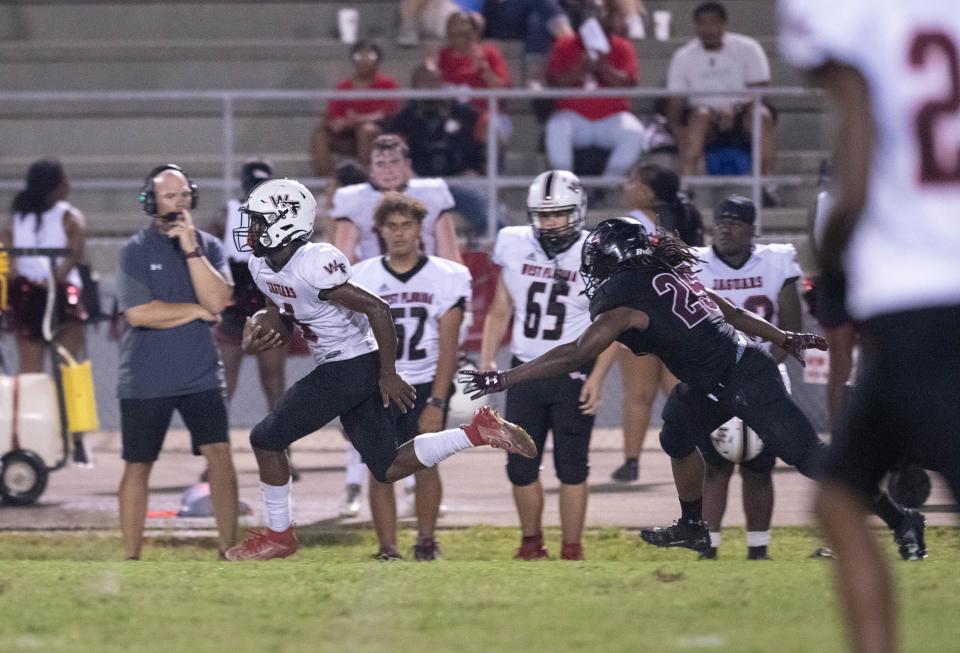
(644, 293)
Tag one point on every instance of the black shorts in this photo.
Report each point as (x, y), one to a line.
(754, 392)
(545, 405)
(348, 389)
(28, 303)
(906, 403)
(144, 423)
(408, 423)
(830, 301)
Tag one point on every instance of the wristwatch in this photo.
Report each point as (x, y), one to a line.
(437, 402)
(194, 254)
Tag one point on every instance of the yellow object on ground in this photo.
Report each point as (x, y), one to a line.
(78, 394)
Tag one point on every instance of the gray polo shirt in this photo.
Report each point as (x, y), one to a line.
(165, 362)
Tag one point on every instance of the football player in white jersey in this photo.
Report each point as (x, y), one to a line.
(353, 340)
(761, 279)
(541, 288)
(355, 233)
(893, 69)
(428, 297)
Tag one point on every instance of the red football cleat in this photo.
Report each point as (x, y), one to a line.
(531, 548)
(487, 427)
(571, 551)
(264, 544)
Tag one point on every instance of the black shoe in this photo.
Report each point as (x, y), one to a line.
(822, 553)
(709, 554)
(688, 534)
(81, 457)
(757, 553)
(909, 536)
(426, 550)
(628, 472)
(387, 555)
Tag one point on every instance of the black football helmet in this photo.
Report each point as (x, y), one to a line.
(608, 247)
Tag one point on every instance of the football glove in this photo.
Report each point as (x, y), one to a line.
(795, 343)
(478, 383)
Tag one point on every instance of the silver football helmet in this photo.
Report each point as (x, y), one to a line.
(552, 193)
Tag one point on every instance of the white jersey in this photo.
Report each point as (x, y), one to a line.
(333, 333)
(903, 254)
(755, 285)
(549, 308)
(230, 251)
(417, 299)
(49, 234)
(739, 63)
(358, 203)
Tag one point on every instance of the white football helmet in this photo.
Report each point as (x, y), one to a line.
(275, 213)
(736, 441)
(557, 191)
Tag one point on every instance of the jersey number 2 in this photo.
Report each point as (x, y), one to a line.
(690, 304)
(940, 45)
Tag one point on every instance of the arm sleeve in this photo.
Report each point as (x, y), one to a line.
(460, 289)
(676, 79)
(132, 286)
(342, 205)
(213, 250)
(498, 64)
(625, 58)
(791, 268)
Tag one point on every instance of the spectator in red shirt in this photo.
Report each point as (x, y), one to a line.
(468, 61)
(593, 122)
(351, 125)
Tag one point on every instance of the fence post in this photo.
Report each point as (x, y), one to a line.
(493, 152)
(227, 148)
(756, 184)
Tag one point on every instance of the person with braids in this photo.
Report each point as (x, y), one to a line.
(42, 217)
(644, 294)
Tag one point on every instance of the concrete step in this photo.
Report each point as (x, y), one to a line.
(133, 19)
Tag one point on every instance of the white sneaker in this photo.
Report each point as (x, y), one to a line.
(350, 507)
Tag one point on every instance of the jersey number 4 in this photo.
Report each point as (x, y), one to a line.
(940, 47)
(690, 303)
(535, 311)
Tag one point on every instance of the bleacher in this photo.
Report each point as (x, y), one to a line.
(97, 45)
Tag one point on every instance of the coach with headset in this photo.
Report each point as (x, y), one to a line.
(171, 287)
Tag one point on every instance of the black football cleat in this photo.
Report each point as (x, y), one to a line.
(426, 550)
(687, 534)
(628, 472)
(757, 553)
(709, 554)
(909, 536)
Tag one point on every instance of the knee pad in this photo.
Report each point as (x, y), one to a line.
(675, 444)
(522, 471)
(572, 473)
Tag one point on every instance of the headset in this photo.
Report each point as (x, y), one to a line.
(148, 196)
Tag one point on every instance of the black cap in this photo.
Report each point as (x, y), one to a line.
(736, 207)
(253, 172)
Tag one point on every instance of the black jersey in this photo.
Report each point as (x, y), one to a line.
(686, 330)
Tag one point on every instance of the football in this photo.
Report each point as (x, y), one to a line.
(270, 318)
(736, 442)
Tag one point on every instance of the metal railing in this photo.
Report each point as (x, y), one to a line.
(492, 182)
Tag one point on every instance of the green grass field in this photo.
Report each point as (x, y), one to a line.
(68, 593)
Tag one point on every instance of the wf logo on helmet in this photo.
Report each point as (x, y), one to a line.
(285, 200)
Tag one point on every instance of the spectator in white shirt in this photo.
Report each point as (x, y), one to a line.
(718, 60)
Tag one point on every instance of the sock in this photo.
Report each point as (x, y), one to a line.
(888, 511)
(691, 510)
(758, 538)
(714, 539)
(356, 470)
(431, 448)
(276, 499)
